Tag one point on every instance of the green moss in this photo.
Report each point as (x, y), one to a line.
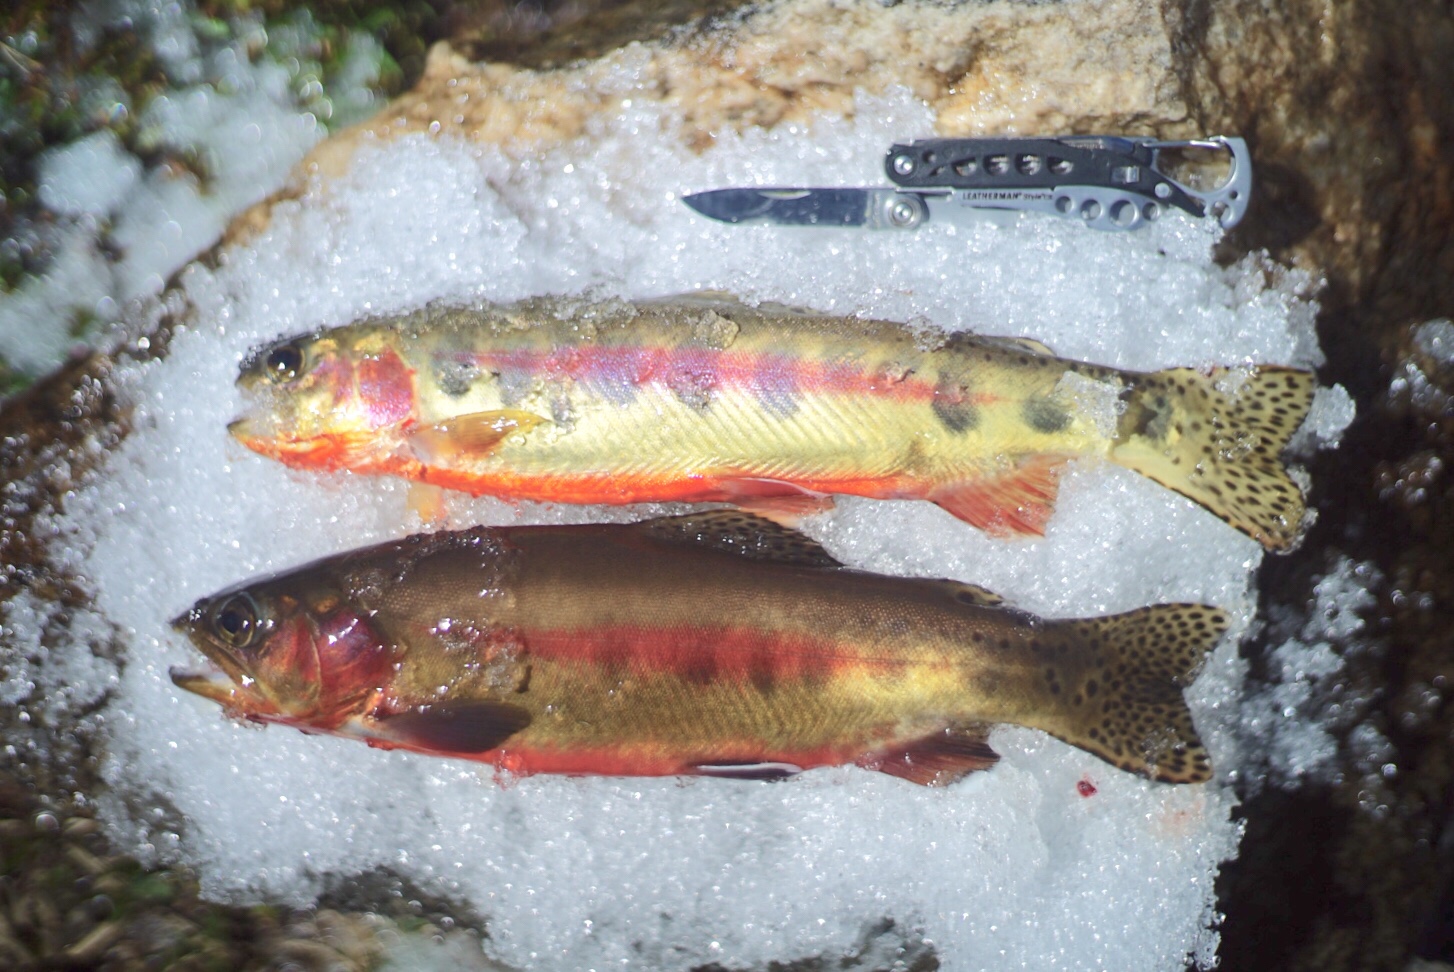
(55, 88)
(152, 887)
(11, 381)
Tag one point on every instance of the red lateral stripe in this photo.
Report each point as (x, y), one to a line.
(707, 654)
(763, 373)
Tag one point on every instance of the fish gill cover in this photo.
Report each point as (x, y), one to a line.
(1050, 860)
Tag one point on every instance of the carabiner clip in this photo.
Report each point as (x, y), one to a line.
(1227, 202)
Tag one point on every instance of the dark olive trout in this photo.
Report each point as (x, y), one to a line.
(716, 643)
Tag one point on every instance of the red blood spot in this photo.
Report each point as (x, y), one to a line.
(1085, 787)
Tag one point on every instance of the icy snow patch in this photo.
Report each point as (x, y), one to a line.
(1436, 339)
(90, 176)
(1332, 412)
(1296, 717)
(1012, 868)
(129, 230)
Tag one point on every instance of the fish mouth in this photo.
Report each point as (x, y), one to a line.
(263, 436)
(211, 683)
(222, 681)
(255, 434)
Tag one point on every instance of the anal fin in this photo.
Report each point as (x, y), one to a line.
(943, 758)
(1018, 501)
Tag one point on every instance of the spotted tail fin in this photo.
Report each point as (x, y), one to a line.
(1217, 439)
(1126, 705)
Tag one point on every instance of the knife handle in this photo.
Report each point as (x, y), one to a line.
(1103, 161)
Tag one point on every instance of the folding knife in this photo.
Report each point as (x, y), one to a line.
(1108, 182)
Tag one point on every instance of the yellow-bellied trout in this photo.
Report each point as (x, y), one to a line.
(701, 399)
(716, 643)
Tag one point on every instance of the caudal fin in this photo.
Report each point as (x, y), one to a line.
(1217, 439)
(1128, 706)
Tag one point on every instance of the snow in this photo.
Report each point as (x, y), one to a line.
(1296, 716)
(87, 177)
(1011, 868)
(223, 137)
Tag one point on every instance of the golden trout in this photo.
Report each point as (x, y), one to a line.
(717, 643)
(702, 399)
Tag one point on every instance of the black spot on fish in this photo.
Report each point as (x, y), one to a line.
(953, 405)
(515, 385)
(761, 676)
(455, 375)
(701, 670)
(1044, 415)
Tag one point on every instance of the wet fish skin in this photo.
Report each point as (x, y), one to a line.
(704, 399)
(712, 644)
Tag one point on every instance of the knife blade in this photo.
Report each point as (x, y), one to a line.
(866, 208)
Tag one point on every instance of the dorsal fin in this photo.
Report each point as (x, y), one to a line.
(972, 594)
(724, 300)
(720, 300)
(1010, 343)
(969, 340)
(741, 533)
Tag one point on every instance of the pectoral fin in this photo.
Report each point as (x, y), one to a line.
(449, 728)
(781, 502)
(466, 436)
(428, 501)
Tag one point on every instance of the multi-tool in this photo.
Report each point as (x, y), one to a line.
(1107, 182)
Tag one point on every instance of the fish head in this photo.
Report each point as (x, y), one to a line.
(331, 400)
(289, 649)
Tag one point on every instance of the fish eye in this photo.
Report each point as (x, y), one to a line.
(284, 363)
(236, 620)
